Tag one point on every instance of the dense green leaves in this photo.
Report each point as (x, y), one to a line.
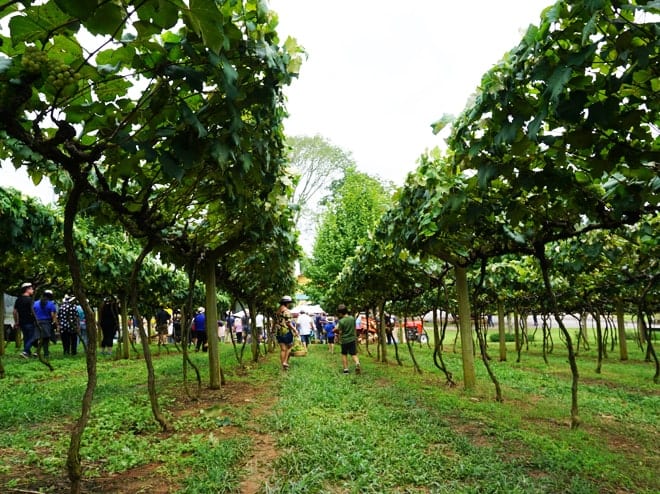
(352, 212)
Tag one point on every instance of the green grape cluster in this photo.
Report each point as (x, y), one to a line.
(34, 60)
(61, 75)
(57, 73)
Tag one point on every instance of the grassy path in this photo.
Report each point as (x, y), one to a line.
(390, 431)
(316, 430)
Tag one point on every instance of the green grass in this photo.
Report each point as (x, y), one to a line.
(389, 430)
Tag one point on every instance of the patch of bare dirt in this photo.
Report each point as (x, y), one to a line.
(145, 479)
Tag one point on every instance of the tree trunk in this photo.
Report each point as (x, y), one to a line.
(73, 464)
(621, 326)
(212, 325)
(125, 337)
(599, 342)
(2, 332)
(438, 339)
(584, 329)
(545, 270)
(256, 337)
(382, 333)
(467, 346)
(516, 331)
(186, 323)
(501, 330)
(146, 350)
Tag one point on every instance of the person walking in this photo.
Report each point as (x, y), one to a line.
(305, 326)
(45, 312)
(229, 319)
(238, 329)
(25, 320)
(176, 326)
(109, 321)
(69, 325)
(260, 332)
(285, 329)
(162, 324)
(346, 330)
(329, 329)
(222, 331)
(83, 326)
(200, 330)
(319, 323)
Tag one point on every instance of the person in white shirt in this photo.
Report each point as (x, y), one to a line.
(261, 333)
(305, 327)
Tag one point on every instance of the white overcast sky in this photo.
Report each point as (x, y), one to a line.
(379, 72)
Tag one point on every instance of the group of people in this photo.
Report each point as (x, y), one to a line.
(287, 329)
(42, 321)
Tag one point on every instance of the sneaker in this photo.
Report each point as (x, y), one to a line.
(357, 369)
(285, 367)
(25, 355)
(345, 371)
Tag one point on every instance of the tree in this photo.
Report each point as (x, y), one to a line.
(355, 205)
(318, 163)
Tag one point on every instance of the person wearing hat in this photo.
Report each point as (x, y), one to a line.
(45, 311)
(200, 330)
(69, 324)
(285, 329)
(24, 318)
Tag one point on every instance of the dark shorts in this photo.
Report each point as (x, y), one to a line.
(349, 348)
(304, 338)
(162, 328)
(287, 339)
(331, 339)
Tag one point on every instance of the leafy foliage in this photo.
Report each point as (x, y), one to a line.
(351, 212)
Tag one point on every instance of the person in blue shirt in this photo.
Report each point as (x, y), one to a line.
(200, 330)
(45, 311)
(329, 329)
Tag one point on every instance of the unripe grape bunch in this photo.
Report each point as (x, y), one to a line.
(34, 60)
(60, 74)
(57, 73)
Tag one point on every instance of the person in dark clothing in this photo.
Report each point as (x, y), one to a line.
(200, 330)
(109, 321)
(25, 320)
(176, 326)
(162, 322)
(69, 324)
